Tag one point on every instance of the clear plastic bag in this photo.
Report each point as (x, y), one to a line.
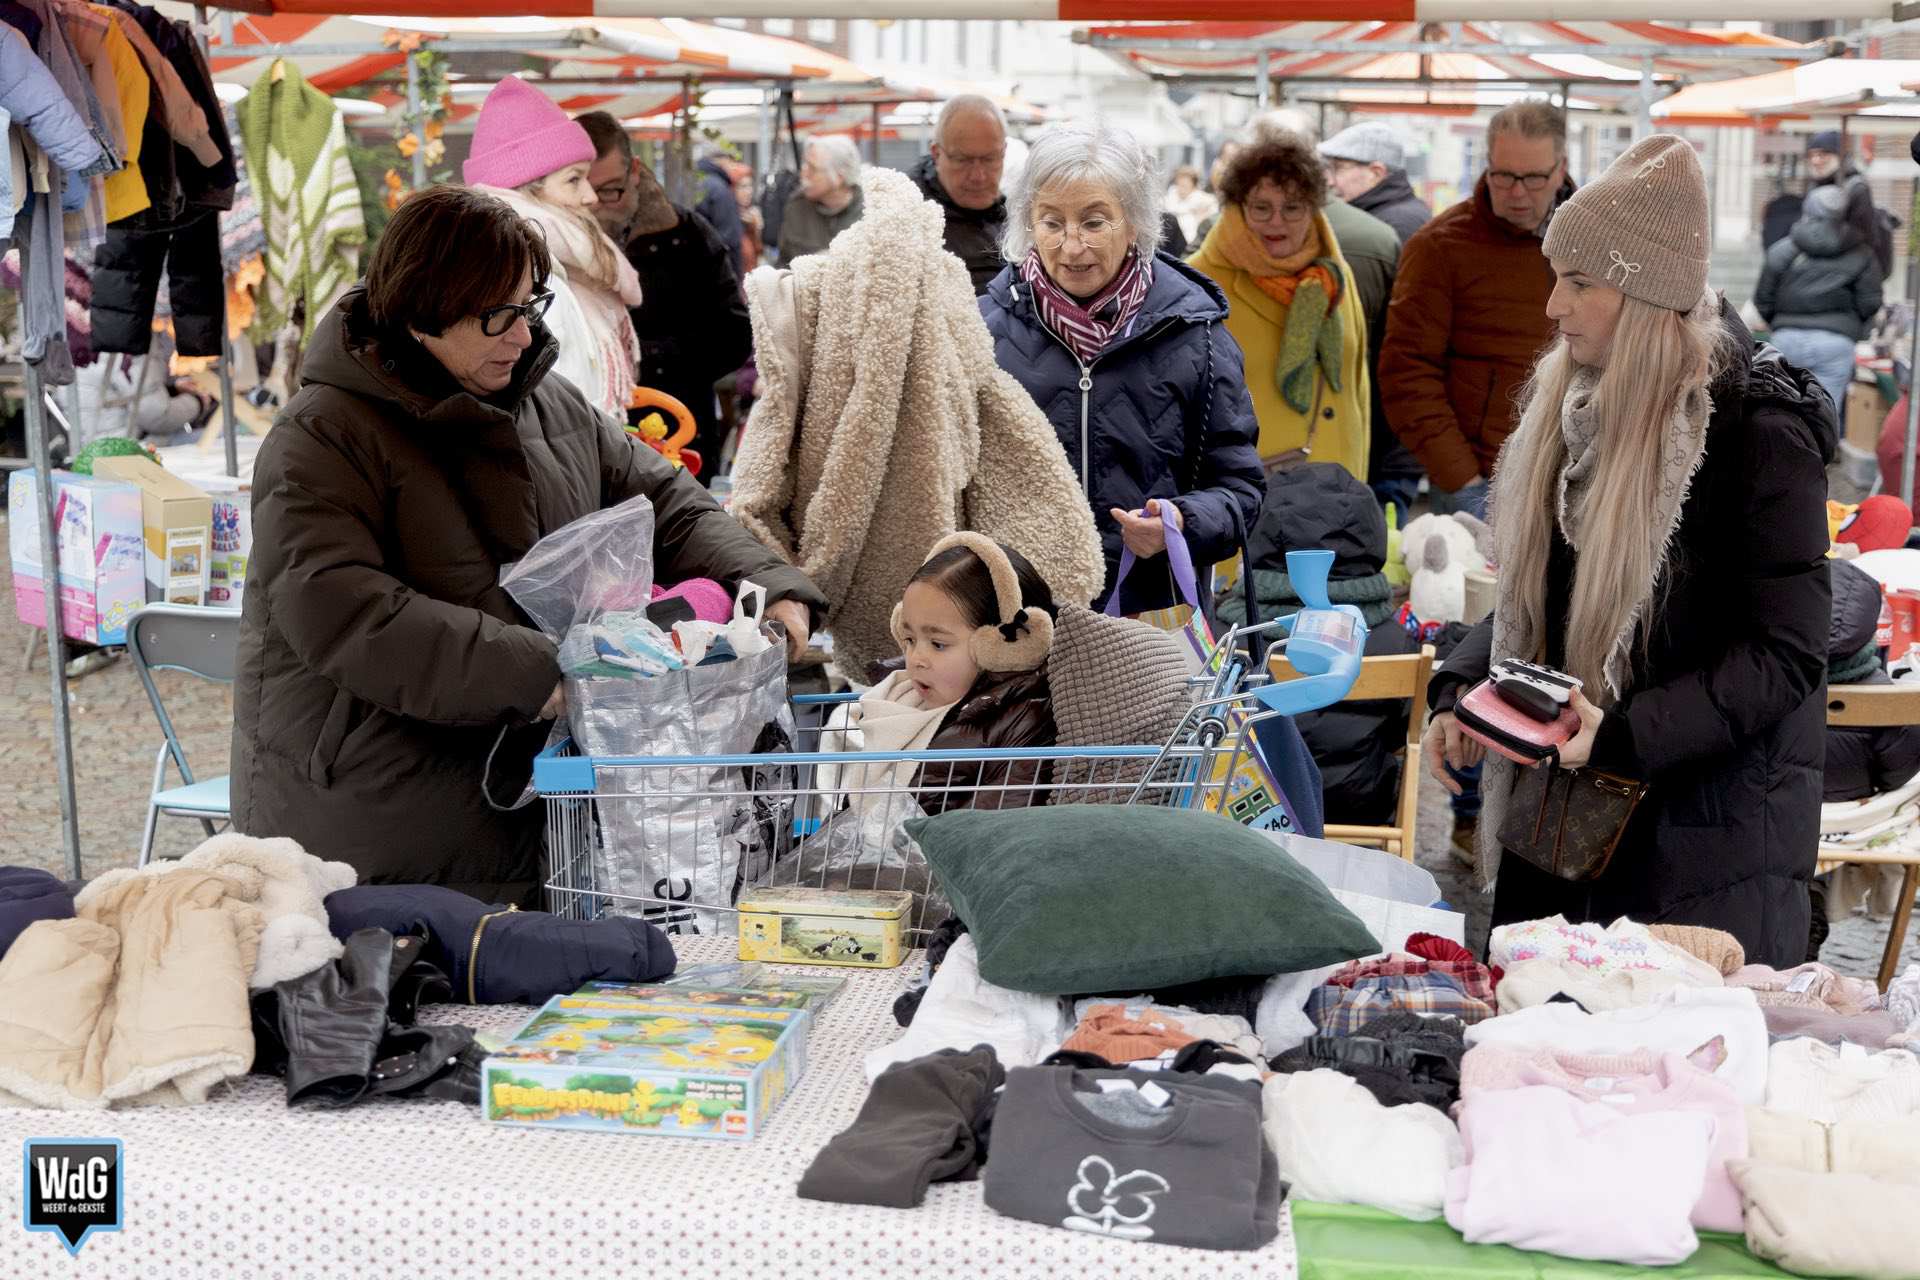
(598, 564)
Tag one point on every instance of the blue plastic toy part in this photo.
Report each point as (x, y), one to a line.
(1325, 641)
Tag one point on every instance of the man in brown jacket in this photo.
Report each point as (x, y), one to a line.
(1469, 311)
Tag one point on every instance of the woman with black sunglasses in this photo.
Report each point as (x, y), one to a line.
(431, 444)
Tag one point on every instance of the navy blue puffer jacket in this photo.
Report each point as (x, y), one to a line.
(1138, 423)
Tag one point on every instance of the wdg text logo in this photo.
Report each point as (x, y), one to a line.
(72, 1187)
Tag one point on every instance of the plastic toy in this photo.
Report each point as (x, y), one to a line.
(1325, 641)
(652, 428)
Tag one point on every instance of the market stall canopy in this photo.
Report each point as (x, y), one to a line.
(1837, 87)
(1102, 10)
(1466, 53)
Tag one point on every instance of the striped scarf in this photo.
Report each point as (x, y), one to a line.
(1086, 328)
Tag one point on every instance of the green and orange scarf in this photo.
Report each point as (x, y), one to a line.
(1307, 283)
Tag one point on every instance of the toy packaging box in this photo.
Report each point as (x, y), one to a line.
(740, 998)
(672, 1068)
(862, 928)
(178, 528)
(97, 531)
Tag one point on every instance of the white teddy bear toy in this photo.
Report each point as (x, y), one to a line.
(1439, 552)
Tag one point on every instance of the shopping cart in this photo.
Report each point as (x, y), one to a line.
(823, 818)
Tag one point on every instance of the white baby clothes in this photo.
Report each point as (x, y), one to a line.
(1611, 968)
(1903, 1000)
(1679, 1022)
(961, 1009)
(1830, 1224)
(1545, 1170)
(1337, 1143)
(1809, 1078)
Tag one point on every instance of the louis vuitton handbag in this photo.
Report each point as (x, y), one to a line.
(1568, 822)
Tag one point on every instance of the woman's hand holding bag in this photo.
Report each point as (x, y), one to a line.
(1146, 535)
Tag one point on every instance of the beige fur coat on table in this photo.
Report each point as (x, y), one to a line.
(884, 424)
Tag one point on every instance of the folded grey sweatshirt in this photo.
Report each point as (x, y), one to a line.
(1169, 1158)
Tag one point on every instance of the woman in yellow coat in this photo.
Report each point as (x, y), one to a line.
(1292, 307)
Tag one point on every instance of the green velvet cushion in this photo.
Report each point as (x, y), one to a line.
(1074, 898)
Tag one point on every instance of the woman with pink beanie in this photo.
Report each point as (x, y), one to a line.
(527, 152)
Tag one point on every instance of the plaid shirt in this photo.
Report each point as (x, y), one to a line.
(1474, 978)
(1341, 1009)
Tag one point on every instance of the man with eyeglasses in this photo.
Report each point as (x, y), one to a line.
(961, 174)
(1469, 311)
(692, 319)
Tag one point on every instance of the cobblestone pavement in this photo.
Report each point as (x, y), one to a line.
(115, 738)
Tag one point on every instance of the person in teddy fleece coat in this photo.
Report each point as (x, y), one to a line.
(883, 426)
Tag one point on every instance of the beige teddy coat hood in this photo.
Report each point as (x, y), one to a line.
(884, 425)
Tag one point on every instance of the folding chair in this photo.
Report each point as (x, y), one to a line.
(1401, 675)
(1876, 706)
(202, 642)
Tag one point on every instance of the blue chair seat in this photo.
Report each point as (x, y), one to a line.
(202, 797)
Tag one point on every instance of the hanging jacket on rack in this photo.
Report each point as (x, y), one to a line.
(131, 88)
(31, 98)
(296, 150)
(89, 33)
(187, 166)
(43, 240)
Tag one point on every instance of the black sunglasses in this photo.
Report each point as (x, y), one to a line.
(495, 321)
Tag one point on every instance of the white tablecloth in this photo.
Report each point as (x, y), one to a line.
(244, 1187)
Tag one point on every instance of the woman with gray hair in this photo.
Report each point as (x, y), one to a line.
(828, 201)
(1126, 351)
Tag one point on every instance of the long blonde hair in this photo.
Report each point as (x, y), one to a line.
(1658, 358)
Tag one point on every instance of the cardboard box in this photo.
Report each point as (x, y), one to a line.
(673, 1070)
(858, 927)
(178, 528)
(1866, 413)
(98, 537)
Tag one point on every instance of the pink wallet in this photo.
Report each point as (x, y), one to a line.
(1487, 717)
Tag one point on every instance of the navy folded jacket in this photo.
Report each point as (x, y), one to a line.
(499, 956)
(28, 894)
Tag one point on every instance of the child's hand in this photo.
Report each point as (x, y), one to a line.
(1146, 535)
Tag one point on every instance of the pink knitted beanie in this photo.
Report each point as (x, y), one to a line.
(709, 599)
(522, 136)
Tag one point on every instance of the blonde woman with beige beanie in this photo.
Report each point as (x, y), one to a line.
(1661, 534)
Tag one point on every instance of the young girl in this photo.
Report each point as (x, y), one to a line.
(974, 626)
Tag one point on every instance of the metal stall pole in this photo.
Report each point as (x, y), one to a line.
(419, 124)
(763, 159)
(50, 580)
(229, 424)
(1913, 384)
(1643, 120)
(1263, 85)
(873, 146)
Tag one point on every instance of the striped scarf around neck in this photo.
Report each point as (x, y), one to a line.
(1088, 327)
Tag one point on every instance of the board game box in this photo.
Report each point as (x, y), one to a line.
(676, 1067)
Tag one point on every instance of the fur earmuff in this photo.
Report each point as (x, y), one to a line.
(1022, 637)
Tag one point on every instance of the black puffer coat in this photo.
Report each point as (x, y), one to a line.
(1164, 413)
(1822, 276)
(1863, 762)
(1725, 714)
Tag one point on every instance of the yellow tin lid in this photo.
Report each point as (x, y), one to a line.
(872, 904)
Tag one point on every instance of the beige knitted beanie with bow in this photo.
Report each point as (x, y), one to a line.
(1642, 227)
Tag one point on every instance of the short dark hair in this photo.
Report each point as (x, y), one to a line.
(449, 253)
(1288, 162)
(965, 578)
(608, 133)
